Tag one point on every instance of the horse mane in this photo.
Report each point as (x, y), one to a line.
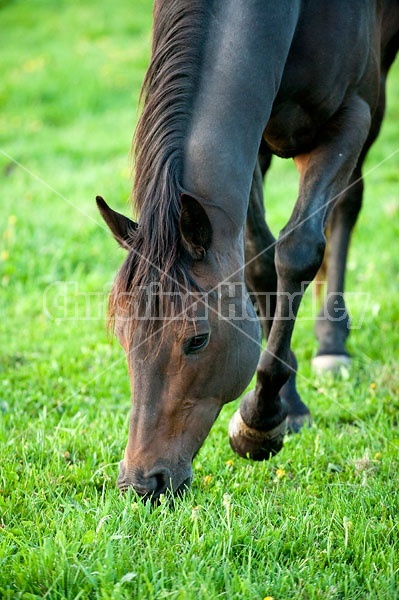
(158, 144)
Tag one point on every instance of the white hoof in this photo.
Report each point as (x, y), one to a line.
(330, 363)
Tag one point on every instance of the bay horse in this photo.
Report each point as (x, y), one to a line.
(305, 79)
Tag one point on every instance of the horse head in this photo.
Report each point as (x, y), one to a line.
(189, 352)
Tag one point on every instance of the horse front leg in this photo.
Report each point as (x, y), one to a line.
(258, 429)
(261, 279)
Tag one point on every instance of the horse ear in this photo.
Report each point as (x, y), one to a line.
(195, 227)
(122, 228)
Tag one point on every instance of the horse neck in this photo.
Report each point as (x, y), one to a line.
(233, 101)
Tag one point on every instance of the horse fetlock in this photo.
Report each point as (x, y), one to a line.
(332, 329)
(253, 443)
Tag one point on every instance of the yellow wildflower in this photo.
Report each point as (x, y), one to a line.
(207, 479)
(280, 473)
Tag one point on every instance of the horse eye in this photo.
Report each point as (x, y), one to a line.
(196, 343)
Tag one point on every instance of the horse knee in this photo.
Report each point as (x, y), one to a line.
(272, 372)
(299, 255)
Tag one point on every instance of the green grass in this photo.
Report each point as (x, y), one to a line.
(320, 520)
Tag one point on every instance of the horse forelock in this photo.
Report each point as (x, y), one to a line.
(162, 304)
(167, 95)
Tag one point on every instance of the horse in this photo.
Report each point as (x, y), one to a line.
(305, 79)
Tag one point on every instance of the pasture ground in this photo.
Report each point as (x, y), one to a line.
(320, 520)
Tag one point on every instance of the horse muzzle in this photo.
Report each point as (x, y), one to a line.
(151, 485)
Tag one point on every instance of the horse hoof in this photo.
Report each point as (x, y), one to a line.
(296, 422)
(255, 444)
(332, 363)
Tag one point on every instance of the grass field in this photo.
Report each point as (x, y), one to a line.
(320, 520)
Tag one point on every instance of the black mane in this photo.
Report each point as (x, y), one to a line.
(167, 94)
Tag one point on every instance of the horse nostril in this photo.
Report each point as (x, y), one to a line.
(161, 480)
(150, 485)
(154, 484)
